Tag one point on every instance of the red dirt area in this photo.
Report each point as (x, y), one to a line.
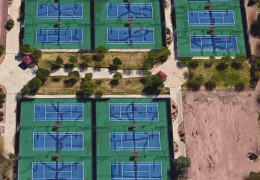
(221, 128)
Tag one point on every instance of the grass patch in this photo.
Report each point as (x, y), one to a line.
(130, 60)
(55, 86)
(224, 79)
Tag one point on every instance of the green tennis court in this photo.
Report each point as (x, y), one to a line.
(209, 28)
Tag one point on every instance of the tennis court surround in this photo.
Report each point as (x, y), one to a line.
(213, 43)
(133, 111)
(58, 10)
(59, 111)
(57, 171)
(135, 141)
(59, 36)
(216, 18)
(58, 141)
(138, 170)
(130, 35)
(127, 10)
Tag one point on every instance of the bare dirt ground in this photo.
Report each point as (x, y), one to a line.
(254, 37)
(221, 129)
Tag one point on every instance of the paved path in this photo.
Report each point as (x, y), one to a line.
(101, 73)
(12, 77)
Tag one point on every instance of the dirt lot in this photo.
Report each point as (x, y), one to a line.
(221, 129)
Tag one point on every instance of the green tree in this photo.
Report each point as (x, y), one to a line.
(226, 58)
(31, 87)
(240, 58)
(117, 61)
(42, 74)
(253, 176)
(147, 64)
(193, 85)
(74, 75)
(164, 54)
(193, 64)
(181, 163)
(36, 55)
(148, 74)
(2, 49)
(59, 61)
(101, 50)
(117, 76)
(88, 76)
(26, 48)
(9, 24)
(222, 66)
(73, 59)
(156, 80)
(210, 85)
(86, 88)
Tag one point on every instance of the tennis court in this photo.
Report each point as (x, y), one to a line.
(133, 111)
(217, 18)
(136, 171)
(127, 10)
(209, 1)
(57, 10)
(135, 141)
(58, 141)
(59, 36)
(59, 112)
(213, 43)
(130, 35)
(57, 171)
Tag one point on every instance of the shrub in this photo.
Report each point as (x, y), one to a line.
(117, 76)
(117, 61)
(237, 65)
(69, 66)
(74, 74)
(208, 64)
(26, 48)
(240, 57)
(181, 163)
(212, 58)
(222, 66)
(253, 176)
(88, 76)
(1, 118)
(9, 24)
(193, 64)
(240, 86)
(198, 78)
(180, 64)
(148, 74)
(1, 114)
(101, 50)
(59, 61)
(210, 85)
(98, 93)
(73, 59)
(55, 79)
(226, 58)
(1, 105)
(70, 82)
(98, 82)
(98, 57)
(147, 64)
(2, 49)
(42, 74)
(193, 85)
(156, 80)
(2, 96)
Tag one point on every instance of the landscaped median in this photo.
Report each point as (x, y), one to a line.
(221, 74)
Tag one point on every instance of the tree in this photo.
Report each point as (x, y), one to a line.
(86, 88)
(253, 176)
(73, 59)
(117, 76)
(210, 85)
(237, 65)
(181, 163)
(212, 58)
(193, 85)
(258, 18)
(222, 66)
(193, 64)
(226, 58)
(74, 75)
(164, 54)
(88, 76)
(69, 66)
(42, 74)
(156, 80)
(2, 49)
(36, 55)
(59, 61)
(101, 50)
(147, 64)
(31, 87)
(9, 24)
(26, 48)
(148, 74)
(117, 61)
(240, 58)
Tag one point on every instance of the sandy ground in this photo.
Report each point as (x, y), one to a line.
(221, 128)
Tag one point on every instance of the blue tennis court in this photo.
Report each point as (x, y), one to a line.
(217, 18)
(57, 171)
(213, 43)
(127, 10)
(57, 10)
(135, 141)
(133, 111)
(59, 36)
(136, 171)
(130, 35)
(59, 112)
(58, 141)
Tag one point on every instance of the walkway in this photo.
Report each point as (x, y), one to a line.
(12, 77)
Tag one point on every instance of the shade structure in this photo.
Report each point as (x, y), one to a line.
(27, 59)
(163, 75)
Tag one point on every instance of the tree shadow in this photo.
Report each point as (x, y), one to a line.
(255, 29)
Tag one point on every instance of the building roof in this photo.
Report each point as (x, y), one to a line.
(163, 75)
(27, 59)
